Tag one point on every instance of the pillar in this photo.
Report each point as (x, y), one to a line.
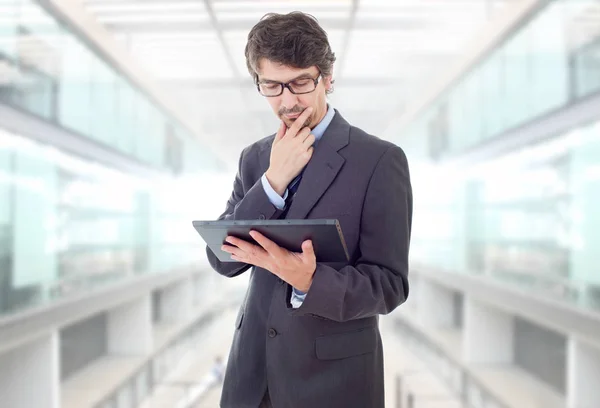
(130, 328)
(488, 335)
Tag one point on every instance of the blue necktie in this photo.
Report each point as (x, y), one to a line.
(292, 189)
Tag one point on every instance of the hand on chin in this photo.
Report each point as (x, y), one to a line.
(290, 121)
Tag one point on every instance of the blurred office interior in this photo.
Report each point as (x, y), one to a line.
(121, 121)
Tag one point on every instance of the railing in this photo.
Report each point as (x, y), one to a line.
(471, 392)
(140, 385)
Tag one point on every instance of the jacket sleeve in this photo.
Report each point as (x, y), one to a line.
(248, 201)
(378, 282)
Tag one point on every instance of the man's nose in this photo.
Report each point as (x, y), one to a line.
(288, 99)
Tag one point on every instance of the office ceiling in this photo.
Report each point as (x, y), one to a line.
(387, 51)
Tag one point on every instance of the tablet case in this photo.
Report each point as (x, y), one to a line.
(327, 237)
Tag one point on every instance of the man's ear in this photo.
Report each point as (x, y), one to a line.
(328, 82)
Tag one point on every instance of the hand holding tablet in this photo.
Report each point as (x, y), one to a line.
(326, 236)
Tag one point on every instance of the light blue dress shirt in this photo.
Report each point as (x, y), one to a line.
(279, 202)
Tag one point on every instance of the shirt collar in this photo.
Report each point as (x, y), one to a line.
(320, 129)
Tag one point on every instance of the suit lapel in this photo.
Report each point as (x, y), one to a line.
(320, 171)
(322, 168)
(264, 157)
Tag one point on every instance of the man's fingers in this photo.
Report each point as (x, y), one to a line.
(228, 248)
(303, 134)
(246, 247)
(234, 251)
(308, 153)
(307, 250)
(309, 141)
(280, 132)
(299, 122)
(268, 245)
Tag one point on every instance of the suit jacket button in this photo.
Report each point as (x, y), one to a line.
(272, 333)
(261, 217)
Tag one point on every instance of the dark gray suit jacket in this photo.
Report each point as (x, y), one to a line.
(328, 352)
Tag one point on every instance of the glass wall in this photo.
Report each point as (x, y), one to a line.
(552, 61)
(47, 70)
(586, 64)
(529, 218)
(68, 225)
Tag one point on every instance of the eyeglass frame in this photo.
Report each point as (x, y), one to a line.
(287, 85)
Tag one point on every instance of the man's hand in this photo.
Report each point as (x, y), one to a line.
(291, 151)
(297, 269)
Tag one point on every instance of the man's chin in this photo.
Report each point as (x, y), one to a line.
(289, 122)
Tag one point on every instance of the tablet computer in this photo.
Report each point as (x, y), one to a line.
(326, 235)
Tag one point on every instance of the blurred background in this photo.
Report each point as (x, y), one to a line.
(121, 121)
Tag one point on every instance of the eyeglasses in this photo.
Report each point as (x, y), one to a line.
(297, 86)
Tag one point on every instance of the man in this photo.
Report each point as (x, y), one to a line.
(217, 370)
(307, 332)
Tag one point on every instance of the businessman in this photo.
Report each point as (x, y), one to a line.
(307, 332)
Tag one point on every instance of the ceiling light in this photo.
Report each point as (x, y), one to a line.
(141, 7)
(154, 18)
(279, 6)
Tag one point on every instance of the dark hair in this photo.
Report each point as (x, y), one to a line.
(295, 39)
